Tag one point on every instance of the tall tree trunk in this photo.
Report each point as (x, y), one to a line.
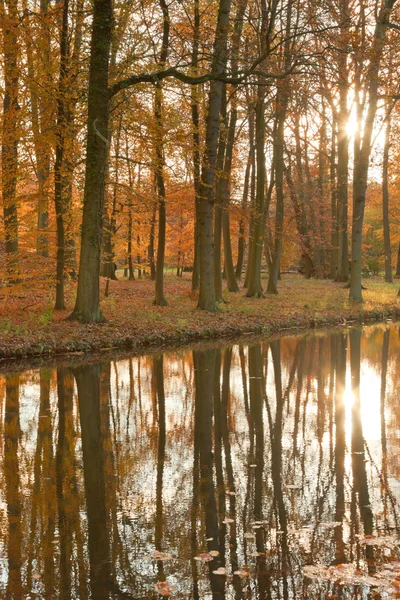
(151, 242)
(283, 94)
(206, 197)
(131, 270)
(343, 149)
(110, 226)
(196, 146)
(230, 141)
(9, 146)
(241, 239)
(385, 201)
(333, 194)
(59, 191)
(397, 274)
(159, 299)
(218, 199)
(41, 118)
(253, 186)
(361, 158)
(87, 307)
(255, 253)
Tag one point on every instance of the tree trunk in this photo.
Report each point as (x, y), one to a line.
(230, 141)
(159, 299)
(131, 270)
(397, 274)
(196, 147)
(207, 294)
(361, 158)
(254, 282)
(218, 200)
(241, 240)
(59, 191)
(252, 156)
(333, 193)
(385, 202)
(9, 146)
(343, 159)
(41, 116)
(283, 94)
(87, 307)
(151, 242)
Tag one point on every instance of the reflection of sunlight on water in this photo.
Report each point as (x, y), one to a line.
(370, 404)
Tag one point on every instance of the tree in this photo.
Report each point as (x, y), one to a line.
(363, 145)
(10, 138)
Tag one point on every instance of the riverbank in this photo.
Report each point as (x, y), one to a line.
(29, 327)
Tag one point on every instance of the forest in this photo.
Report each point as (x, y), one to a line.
(224, 143)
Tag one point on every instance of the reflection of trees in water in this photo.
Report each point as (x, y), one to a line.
(88, 384)
(155, 453)
(12, 434)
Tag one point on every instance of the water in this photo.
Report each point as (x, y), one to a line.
(266, 470)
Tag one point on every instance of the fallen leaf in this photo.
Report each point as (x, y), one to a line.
(205, 557)
(242, 574)
(162, 588)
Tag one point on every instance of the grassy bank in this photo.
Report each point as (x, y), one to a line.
(29, 326)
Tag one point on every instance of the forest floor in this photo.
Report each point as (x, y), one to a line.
(30, 327)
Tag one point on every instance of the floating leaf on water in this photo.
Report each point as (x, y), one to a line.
(205, 557)
(387, 541)
(162, 588)
(209, 539)
(242, 574)
(156, 555)
(228, 520)
(254, 554)
(214, 553)
(36, 576)
(348, 574)
(220, 571)
(231, 493)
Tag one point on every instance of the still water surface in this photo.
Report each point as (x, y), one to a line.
(267, 470)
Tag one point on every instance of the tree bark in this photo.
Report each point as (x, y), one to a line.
(87, 307)
(361, 159)
(59, 191)
(159, 299)
(9, 146)
(385, 201)
(343, 149)
(196, 146)
(219, 200)
(241, 239)
(207, 294)
(283, 94)
(254, 280)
